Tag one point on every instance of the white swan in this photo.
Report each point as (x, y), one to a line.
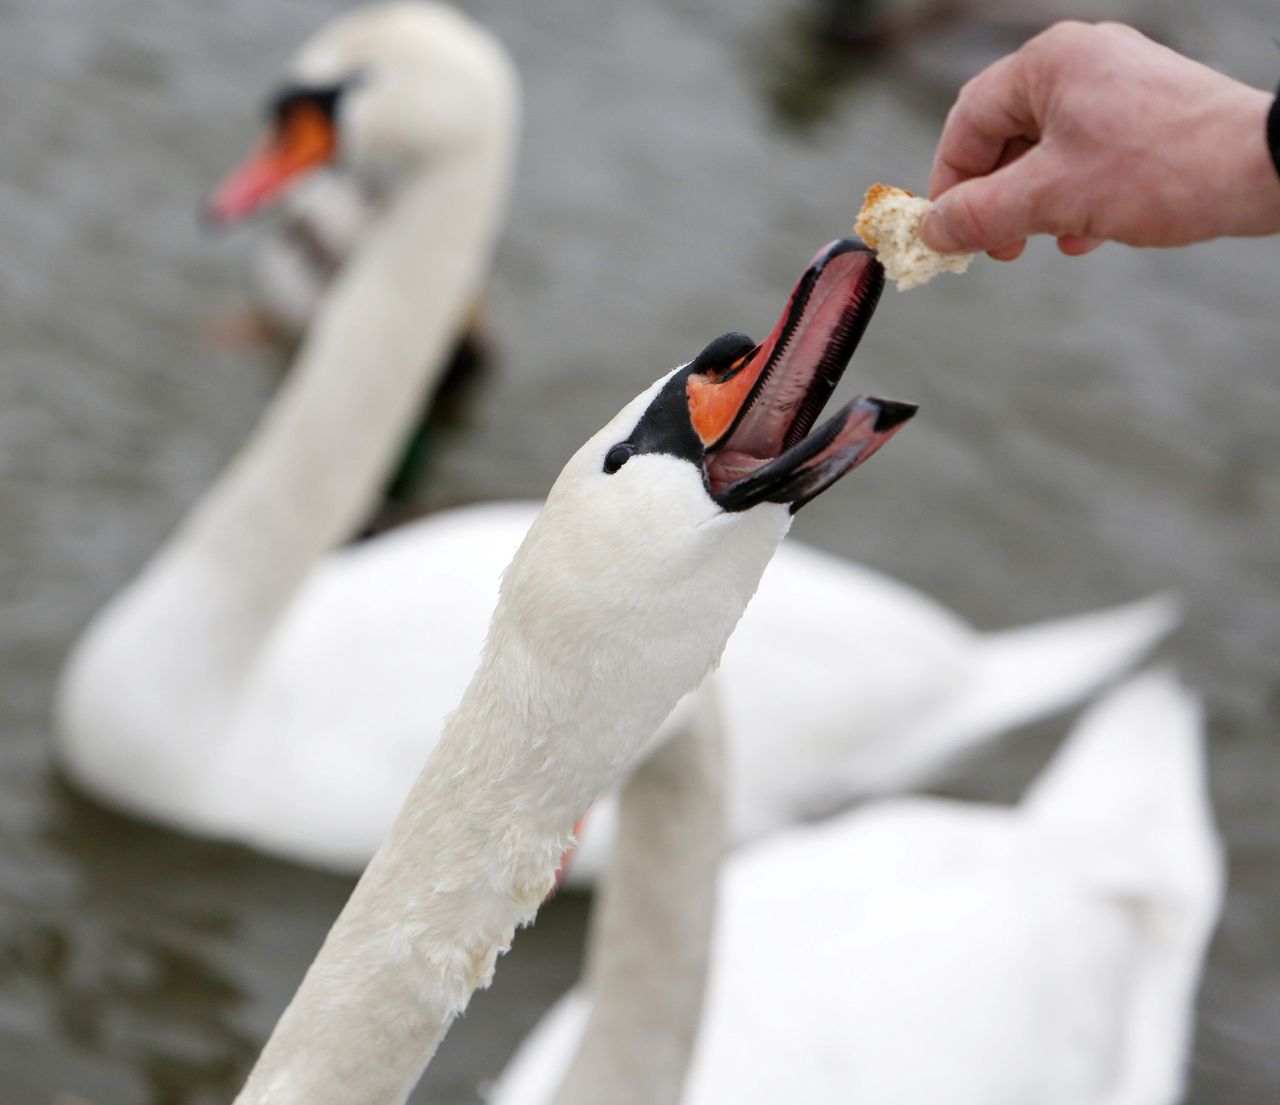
(170, 688)
(618, 602)
(253, 684)
(922, 951)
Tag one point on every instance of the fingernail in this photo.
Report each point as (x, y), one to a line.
(938, 235)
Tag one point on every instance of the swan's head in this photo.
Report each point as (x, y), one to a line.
(667, 517)
(386, 89)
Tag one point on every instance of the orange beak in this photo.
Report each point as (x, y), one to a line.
(302, 140)
(836, 295)
(715, 401)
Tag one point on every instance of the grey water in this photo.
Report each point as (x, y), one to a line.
(1092, 430)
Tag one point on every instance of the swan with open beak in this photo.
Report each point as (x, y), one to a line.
(750, 408)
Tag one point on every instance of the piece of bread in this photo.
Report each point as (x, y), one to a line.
(889, 223)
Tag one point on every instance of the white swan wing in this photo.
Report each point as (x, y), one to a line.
(1048, 953)
(940, 963)
(1134, 772)
(921, 950)
(1012, 677)
(910, 952)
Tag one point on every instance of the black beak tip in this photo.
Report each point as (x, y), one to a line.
(892, 414)
(851, 244)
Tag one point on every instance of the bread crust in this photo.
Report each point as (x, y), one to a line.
(875, 194)
(890, 222)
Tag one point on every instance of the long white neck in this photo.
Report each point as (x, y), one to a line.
(650, 939)
(301, 483)
(542, 730)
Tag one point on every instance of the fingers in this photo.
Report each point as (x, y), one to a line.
(1074, 246)
(994, 212)
(1013, 149)
(992, 109)
(1008, 253)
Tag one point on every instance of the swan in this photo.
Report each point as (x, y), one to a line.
(618, 603)
(259, 684)
(922, 950)
(173, 682)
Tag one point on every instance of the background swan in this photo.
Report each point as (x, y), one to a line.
(587, 653)
(923, 950)
(161, 678)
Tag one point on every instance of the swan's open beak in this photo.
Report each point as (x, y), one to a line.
(754, 417)
(300, 141)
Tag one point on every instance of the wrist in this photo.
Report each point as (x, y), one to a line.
(1255, 206)
(1273, 132)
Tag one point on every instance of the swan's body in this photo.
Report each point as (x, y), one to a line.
(618, 602)
(923, 951)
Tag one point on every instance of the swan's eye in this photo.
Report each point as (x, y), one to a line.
(616, 457)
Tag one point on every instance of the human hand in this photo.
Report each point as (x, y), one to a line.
(1093, 133)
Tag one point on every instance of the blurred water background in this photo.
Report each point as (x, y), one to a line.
(1092, 430)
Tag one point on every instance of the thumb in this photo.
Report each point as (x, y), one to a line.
(987, 212)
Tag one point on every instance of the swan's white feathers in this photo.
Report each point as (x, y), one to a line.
(922, 950)
(1004, 679)
(1136, 767)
